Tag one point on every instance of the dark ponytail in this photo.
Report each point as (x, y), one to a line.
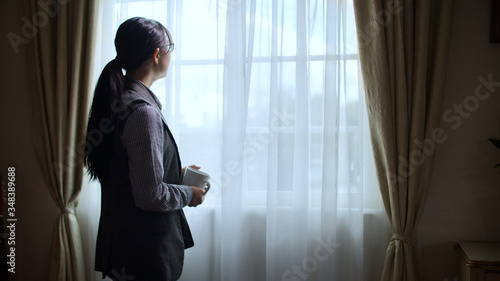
(135, 42)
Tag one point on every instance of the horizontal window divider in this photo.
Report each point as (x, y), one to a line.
(267, 59)
(291, 129)
(263, 129)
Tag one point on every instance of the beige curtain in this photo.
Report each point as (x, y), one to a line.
(61, 59)
(403, 47)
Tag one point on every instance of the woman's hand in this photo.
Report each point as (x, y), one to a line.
(184, 170)
(198, 196)
(198, 193)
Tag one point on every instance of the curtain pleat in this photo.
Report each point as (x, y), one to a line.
(403, 47)
(63, 52)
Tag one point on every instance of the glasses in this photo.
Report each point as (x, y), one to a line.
(170, 47)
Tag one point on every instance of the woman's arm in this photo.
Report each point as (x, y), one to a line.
(143, 139)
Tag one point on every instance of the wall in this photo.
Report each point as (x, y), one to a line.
(35, 210)
(463, 202)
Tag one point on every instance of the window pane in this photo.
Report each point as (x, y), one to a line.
(199, 30)
(258, 100)
(353, 108)
(317, 28)
(198, 97)
(351, 38)
(287, 33)
(316, 91)
(286, 89)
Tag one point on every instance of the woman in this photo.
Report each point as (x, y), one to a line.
(129, 148)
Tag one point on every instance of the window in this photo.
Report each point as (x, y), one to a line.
(266, 96)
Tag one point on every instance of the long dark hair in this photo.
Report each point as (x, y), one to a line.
(135, 42)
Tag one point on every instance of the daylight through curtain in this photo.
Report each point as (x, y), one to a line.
(267, 97)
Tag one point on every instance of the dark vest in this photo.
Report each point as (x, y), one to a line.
(144, 244)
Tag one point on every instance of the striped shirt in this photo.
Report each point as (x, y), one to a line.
(143, 138)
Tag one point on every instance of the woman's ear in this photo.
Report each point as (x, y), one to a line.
(156, 56)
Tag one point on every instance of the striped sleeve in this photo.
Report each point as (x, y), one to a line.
(143, 139)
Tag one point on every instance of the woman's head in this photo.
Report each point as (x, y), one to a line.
(141, 45)
(136, 41)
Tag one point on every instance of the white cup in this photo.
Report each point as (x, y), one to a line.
(197, 178)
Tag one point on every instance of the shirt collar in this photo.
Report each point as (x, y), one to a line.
(139, 87)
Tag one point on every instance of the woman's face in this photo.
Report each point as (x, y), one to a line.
(163, 63)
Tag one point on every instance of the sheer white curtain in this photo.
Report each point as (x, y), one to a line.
(266, 96)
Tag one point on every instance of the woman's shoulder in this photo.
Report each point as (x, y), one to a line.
(144, 117)
(136, 92)
(146, 111)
